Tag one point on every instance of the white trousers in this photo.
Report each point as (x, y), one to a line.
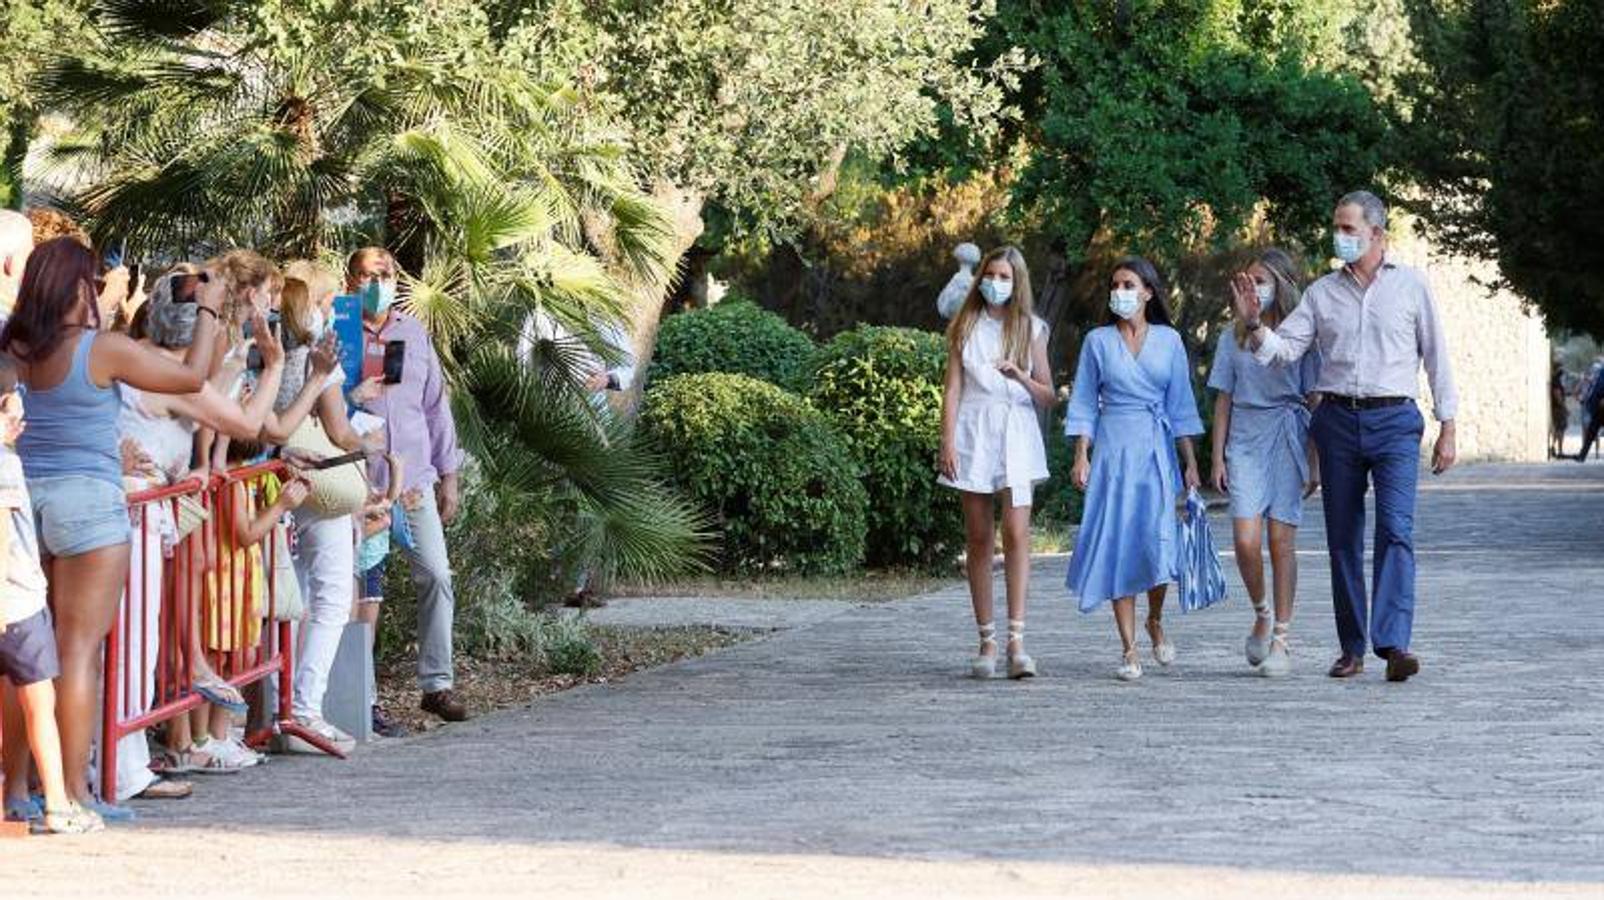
(324, 564)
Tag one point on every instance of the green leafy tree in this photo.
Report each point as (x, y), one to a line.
(301, 126)
(28, 29)
(749, 107)
(1176, 128)
(1506, 140)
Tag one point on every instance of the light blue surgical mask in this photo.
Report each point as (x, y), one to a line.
(1124, 302)
(996, 291)
(377, 296)
(1349, 247)
(1266, 293)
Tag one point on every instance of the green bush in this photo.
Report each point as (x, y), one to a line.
(882, 388)
(734, 336)
(782, 484)
(1058, 501)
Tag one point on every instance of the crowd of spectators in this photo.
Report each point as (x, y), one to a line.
(111, 385)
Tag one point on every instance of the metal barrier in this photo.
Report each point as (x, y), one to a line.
(214, 604)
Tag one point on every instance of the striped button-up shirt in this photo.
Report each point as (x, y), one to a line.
(1372, 340)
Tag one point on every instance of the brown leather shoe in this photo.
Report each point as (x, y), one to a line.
(445, 705)
(1347, 666)
(1401, 664)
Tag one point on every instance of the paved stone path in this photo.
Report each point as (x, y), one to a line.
(852, 752)
(725, 612)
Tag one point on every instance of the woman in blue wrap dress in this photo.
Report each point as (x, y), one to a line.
(1263, 456)
(1131, 410)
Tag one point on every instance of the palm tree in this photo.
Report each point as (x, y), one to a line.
(299, 128)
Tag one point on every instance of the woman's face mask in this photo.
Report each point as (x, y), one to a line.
(1124, 302)
(1266, 293)
(996, 291)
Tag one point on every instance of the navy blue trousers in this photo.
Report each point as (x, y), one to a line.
(1358, 449)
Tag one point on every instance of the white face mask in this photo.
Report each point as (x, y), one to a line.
(1124, 303)
(996, 291)
(1349, 247)
(1266, 294)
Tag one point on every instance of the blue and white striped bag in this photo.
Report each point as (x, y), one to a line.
(1202, 582)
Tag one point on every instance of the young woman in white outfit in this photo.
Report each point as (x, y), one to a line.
(991, 443)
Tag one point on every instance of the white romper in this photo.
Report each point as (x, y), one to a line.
(998, 438)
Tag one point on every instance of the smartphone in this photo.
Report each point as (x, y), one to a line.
(395, 354)
(253, 359)
(114, 257)
(186, 287)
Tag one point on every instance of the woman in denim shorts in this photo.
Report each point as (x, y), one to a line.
(71, 457)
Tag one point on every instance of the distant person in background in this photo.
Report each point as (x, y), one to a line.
(952, 296)
(544, 336)
(16, 242)
(1559, 417)
(1592, 398)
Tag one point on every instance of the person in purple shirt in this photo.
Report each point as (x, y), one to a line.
(418, 429)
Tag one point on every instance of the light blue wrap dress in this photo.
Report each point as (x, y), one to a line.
(1133, 407)
(1266, 451)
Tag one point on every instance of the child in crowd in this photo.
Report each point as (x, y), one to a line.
(28, 645)
(234, 608)
(380, 520)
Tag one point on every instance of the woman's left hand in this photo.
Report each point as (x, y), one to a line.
(1009, 370)
(1190, 478)
(1310, 486)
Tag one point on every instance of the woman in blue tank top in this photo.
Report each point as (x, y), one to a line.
(71, 455)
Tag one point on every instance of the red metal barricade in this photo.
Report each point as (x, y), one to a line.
(213, 603)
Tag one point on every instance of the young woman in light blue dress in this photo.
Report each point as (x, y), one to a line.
(991, 442)
(1263, 456)
(1131, 410)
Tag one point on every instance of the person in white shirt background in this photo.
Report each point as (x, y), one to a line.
(1374, 322)
(614, 375)
(952, 296)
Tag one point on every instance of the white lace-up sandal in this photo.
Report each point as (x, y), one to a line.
(1163, 650)
(1279, 660)
(984, 665)
(1020, 665)
(1257, 649)
(1130, 668)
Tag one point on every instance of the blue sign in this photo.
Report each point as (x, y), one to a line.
(348, 328)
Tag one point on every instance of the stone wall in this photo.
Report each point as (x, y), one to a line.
(1501, 356)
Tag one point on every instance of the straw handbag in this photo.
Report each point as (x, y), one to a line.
(338, 491)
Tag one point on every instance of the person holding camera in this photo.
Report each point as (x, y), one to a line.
(71, 456)
(416, 409)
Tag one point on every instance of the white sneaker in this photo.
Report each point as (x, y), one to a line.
(231, 753)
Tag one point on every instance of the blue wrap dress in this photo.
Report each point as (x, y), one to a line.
(1133, 407)
(1266, 451)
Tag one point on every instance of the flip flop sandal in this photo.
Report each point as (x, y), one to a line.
(231, 701)
(167, 789)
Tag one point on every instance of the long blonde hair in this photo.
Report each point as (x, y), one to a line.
(1018, 315)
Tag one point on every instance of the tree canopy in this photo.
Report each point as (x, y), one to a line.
(1168, 127)
(1505, 128)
